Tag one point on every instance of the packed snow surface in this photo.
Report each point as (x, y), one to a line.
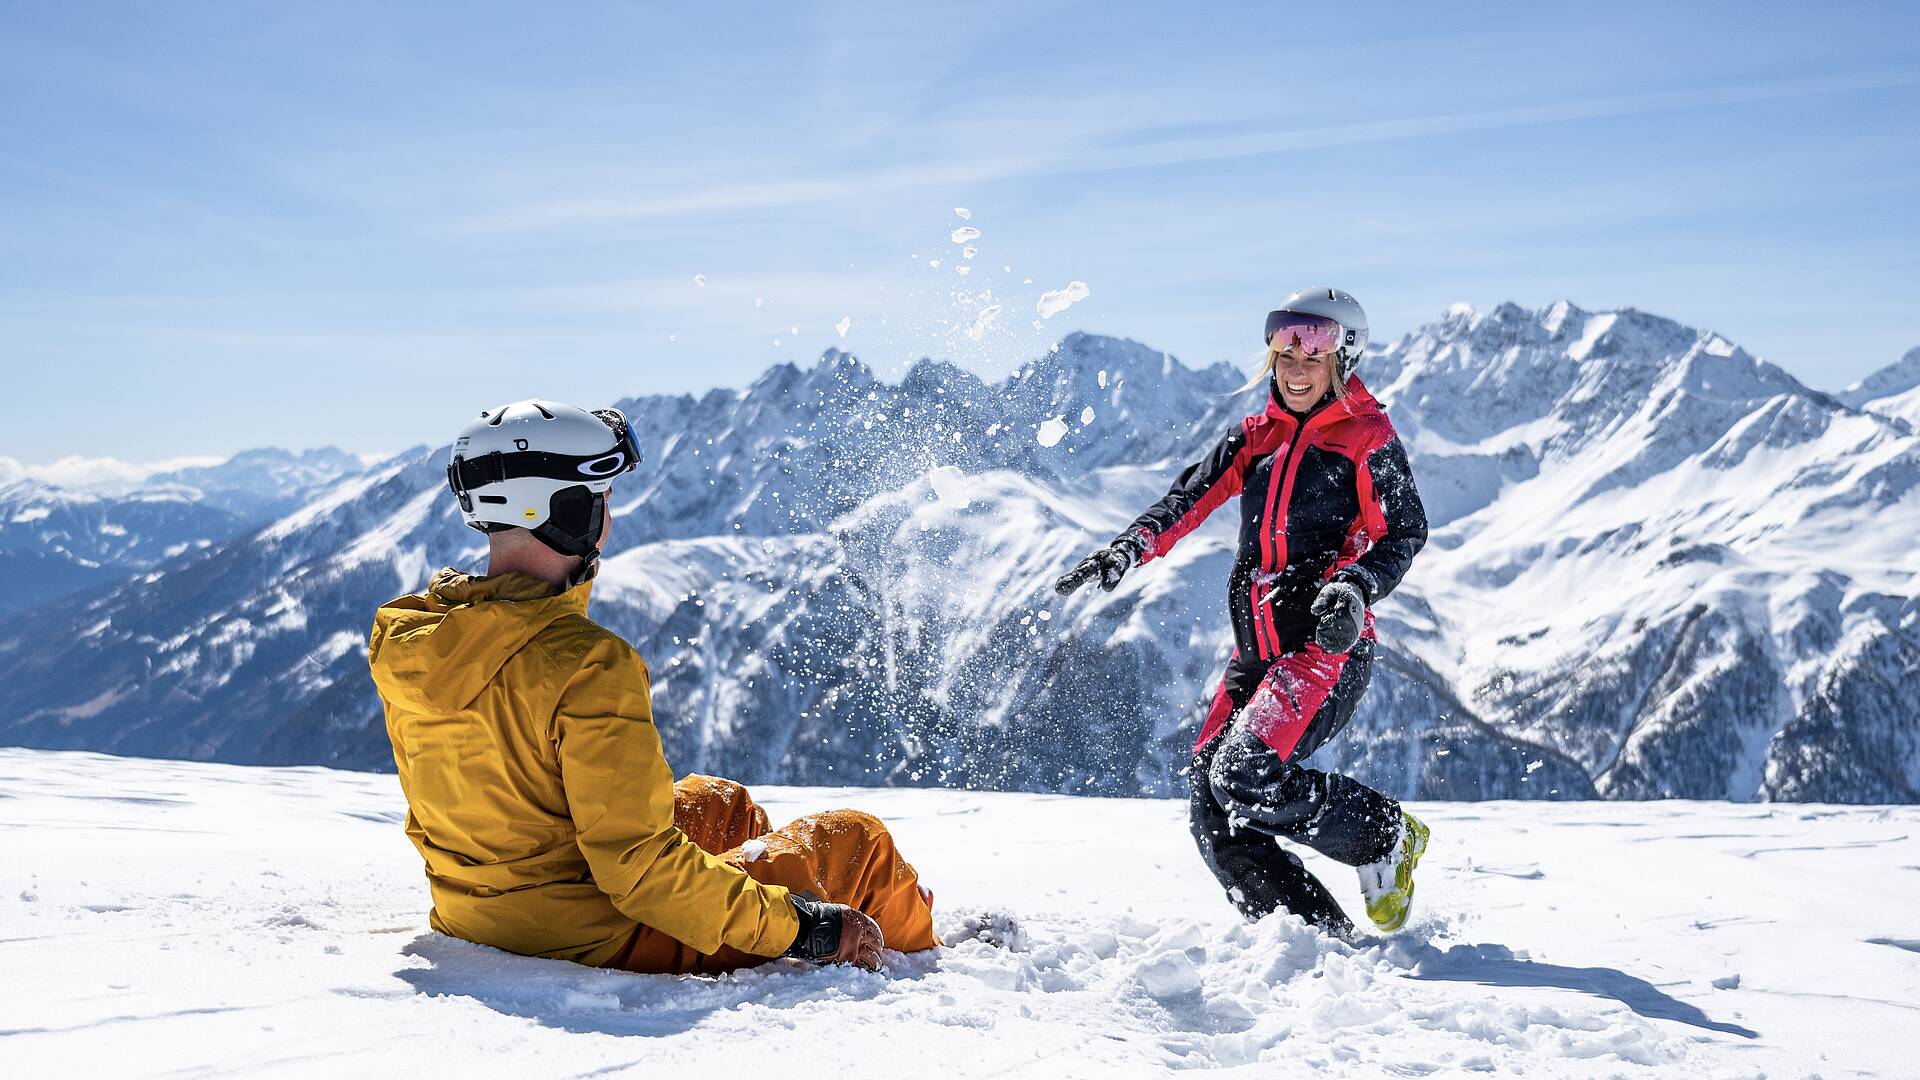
(164, 918)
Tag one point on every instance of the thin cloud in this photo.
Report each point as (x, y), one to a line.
(613, 210)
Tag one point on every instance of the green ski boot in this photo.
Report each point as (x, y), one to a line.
(1387, 885)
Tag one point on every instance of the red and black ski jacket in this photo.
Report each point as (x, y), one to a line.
(1322, 496)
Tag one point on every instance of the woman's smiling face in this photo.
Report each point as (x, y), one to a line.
(1303, 380)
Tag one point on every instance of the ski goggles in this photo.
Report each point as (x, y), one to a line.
(623, 432)
(1307, 335)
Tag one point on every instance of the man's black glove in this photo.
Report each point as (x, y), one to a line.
(835, 934)
(1342, 611)
(1109, 564)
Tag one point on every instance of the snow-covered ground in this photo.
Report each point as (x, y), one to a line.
(168, 919)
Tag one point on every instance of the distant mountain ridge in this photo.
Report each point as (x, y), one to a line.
(1892, 391)
(1659, 567)
(113, 519)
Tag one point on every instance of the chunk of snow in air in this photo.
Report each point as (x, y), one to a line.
(1102, 378)
(1086, 416)
(982, 321)
(964, 233)
(1058, 300)
(963, 213)
(700, 280)
(950, 487)
(845, 324)
(1052, 431)
(969, 251)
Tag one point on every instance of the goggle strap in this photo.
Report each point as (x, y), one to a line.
(465, 474)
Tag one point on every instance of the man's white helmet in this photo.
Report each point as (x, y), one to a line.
(1335, 305)
(545, 467)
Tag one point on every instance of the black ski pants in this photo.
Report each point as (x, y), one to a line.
(1247, 796)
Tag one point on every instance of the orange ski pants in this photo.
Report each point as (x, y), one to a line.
(843, 856)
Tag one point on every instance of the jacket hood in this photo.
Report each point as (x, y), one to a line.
(1358, 402)
(435, 651)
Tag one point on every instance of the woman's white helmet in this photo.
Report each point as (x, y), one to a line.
(1336, 305)
(545, 467)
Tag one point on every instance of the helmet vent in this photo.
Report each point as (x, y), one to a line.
(543, 410)
(494, 420)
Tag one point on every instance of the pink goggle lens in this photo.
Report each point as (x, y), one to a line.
(1308, 335)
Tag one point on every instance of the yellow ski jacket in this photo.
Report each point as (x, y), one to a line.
(536, 788)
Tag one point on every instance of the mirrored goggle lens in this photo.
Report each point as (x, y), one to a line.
(1310, 335)
(622, 431)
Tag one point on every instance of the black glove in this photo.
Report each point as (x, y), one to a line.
(1109, 564)
(1342, 611)
(834, 934)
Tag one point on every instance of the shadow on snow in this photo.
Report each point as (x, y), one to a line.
(576, 998)
(1495, 965)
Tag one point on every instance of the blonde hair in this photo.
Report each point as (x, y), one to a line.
(1265, 372)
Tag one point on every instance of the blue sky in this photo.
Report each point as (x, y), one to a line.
(233, 225)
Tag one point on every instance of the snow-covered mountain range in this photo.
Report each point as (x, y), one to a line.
(81, 524)
(1659, 567)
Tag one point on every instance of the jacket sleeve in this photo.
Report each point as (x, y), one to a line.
(620, 793)
(1199, 491)
(1392, 513)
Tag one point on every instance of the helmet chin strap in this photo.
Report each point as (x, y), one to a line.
(585, 548)
(589, 566)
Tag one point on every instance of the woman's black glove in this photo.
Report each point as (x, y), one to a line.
(1342, 611)
(1109, 564)
(835, 934)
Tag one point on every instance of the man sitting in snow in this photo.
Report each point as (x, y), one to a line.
(536, 787)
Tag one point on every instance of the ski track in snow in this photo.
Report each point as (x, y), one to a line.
(165, 918)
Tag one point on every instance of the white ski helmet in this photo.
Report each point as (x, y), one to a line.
(544, 467)
(1348, 321)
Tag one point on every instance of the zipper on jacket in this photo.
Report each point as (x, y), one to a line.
(1262, 612)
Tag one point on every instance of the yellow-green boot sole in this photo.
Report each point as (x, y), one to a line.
(1389, 911)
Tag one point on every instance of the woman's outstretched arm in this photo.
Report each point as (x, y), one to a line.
(1202, 487)
(1199, 491)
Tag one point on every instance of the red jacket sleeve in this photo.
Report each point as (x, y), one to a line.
(1200, 490)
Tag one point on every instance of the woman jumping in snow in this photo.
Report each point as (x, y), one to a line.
(1329, 521)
